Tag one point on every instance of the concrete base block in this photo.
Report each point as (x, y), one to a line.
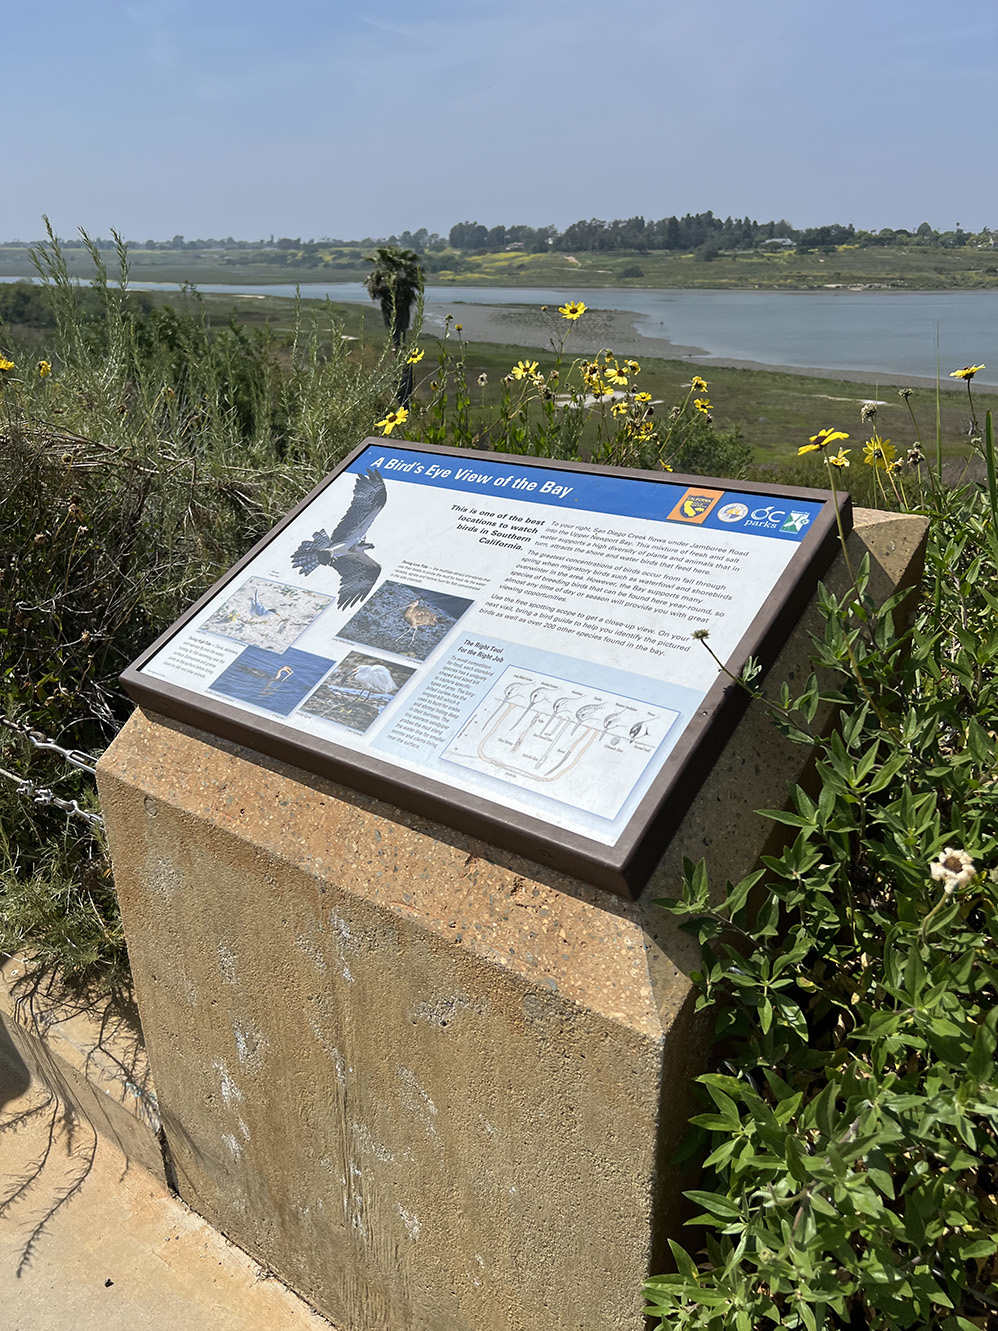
(430, 1084)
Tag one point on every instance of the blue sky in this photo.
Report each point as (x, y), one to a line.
(309, 119)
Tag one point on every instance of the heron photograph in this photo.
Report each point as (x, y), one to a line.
(267, 614)
(275, 681)
(404, 619)
(358, 690)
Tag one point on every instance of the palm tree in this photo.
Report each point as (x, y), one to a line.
(396, 280)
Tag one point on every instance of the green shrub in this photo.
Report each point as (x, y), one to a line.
(25, 305)
(139, 459)
(850, 1133)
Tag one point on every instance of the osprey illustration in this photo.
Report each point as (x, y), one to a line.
(346, 550)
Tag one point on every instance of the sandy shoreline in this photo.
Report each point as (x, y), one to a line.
(522, 326)
(530, 326)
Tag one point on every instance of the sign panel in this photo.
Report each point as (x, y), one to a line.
(501, 643)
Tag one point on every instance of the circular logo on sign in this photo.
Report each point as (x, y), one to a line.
(732, 512)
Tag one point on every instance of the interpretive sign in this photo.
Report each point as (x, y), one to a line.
(502, 643)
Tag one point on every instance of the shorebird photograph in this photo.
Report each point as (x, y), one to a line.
(418, 616)
(274, 681)
(267, 614)
(405, 620)
(358, 690)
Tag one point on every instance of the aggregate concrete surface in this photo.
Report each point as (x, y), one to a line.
(90, 1242)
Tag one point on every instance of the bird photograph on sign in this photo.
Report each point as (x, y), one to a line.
(267, 614)
(358, 690)
(405, 619)
(345, 550)
(274, 681)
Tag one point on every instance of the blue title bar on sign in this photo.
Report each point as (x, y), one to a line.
(624, 496)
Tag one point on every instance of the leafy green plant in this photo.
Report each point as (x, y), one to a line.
(850, 1129)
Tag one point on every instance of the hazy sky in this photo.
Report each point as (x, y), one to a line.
(304, 118)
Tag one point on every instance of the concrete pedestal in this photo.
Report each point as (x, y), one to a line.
(430, 1084)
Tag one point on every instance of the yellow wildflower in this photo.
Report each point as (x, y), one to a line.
(702, 405)
(967, 372)
(632, 366)
(879, 453)
(840, 459)
(642, 397)
(414, 356)
(698, 385)
(618, 409)
(393, 418)
(459, 327)
(574, 309)
(821, 440)
(6, 364)
(44, 369)
(524, 369)
(615, 375)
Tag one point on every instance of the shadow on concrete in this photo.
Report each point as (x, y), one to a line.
(15, 1078)
(43, 1001)
(42, 1124)
(55, 1172)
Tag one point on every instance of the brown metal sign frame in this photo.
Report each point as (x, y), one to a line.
(622, 867)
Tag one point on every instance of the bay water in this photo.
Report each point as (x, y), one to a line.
(889, 333)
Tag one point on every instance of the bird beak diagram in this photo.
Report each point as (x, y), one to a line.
(517, 631)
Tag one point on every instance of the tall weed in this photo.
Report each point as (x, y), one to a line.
(138, 459)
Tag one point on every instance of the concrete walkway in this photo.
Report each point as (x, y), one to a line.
(92, 1243)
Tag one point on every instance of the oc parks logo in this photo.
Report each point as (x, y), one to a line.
(769, 517)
